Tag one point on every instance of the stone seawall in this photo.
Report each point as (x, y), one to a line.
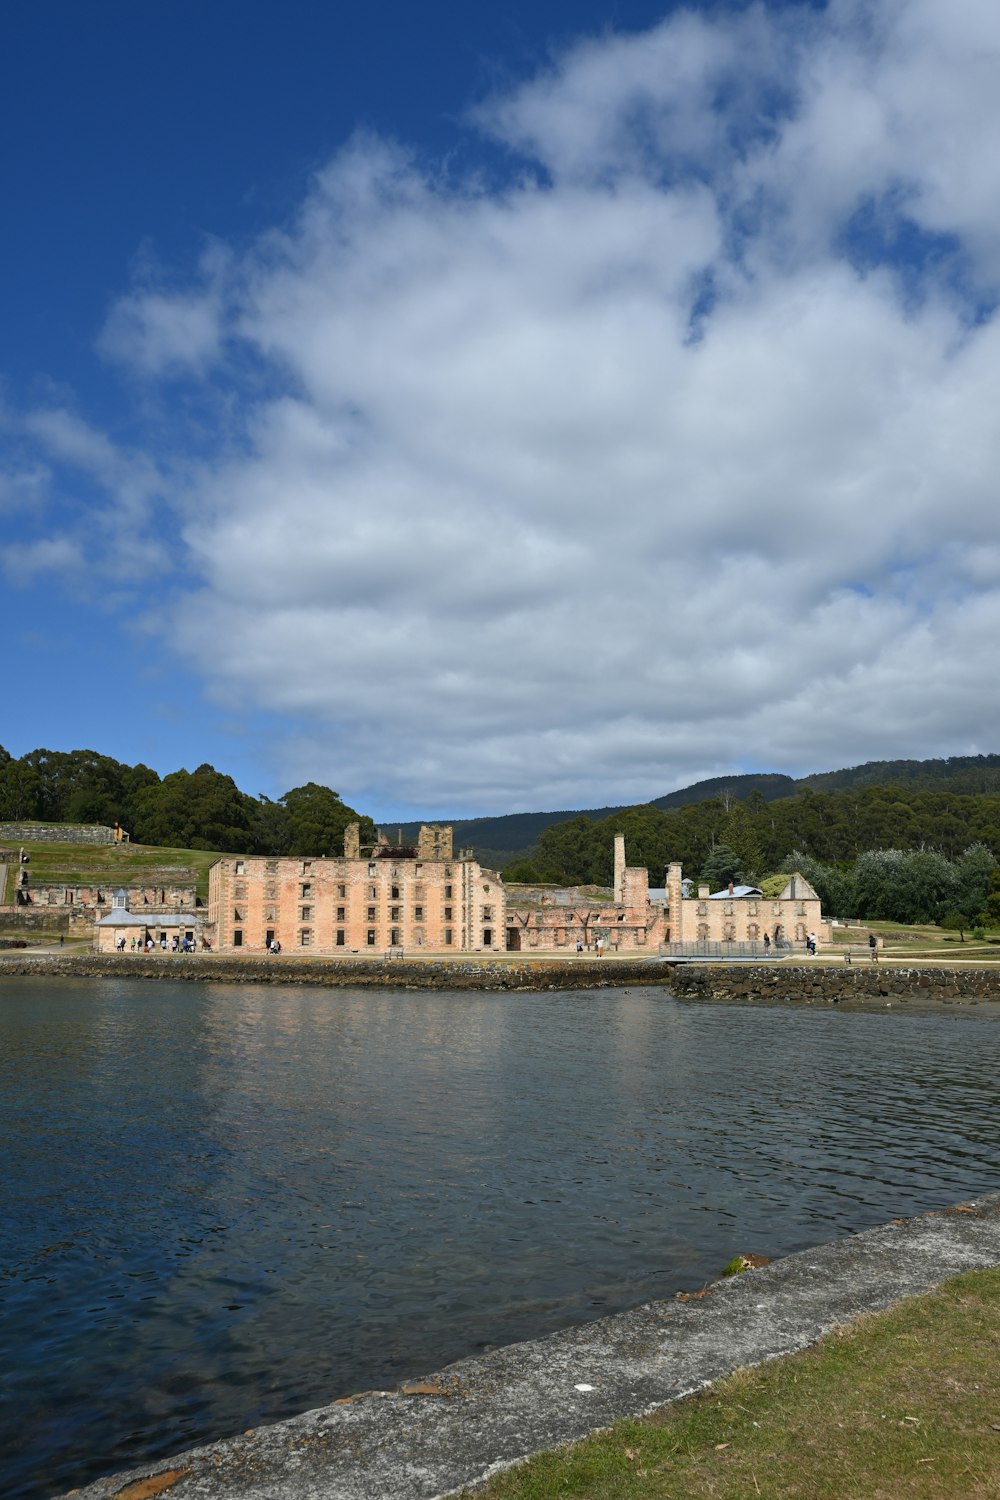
(426, 973)
(862, 982)
(801, 984)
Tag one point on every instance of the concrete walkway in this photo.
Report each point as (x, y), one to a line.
(436, 1435)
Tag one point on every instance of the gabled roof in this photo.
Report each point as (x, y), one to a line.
(798, 889)
(738, 892)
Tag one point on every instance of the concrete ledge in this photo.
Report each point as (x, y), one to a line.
(443, 1432)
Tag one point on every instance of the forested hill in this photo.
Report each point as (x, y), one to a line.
(830, 827)
(515, 833)
(960, 773)
(769, 784)
(498, 841)
(834, 815)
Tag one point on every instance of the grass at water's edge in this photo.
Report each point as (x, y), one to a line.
(900, 1405)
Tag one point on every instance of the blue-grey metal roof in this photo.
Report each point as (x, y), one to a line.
(120, 917)
(737, 893)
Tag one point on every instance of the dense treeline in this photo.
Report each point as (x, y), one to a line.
(201, 809)
(498, 840)
(926, 865)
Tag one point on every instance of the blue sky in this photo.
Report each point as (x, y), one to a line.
(540, 407)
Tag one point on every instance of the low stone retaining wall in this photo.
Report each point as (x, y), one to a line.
(865, 982)
(807, 984)
(411, 974)
(57, 833)
(26, 921)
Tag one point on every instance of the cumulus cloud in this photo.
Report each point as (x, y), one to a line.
(670, 453)
(158, 329)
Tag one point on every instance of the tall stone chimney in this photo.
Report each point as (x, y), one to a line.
(619, 867)
(352, 841)
(674, 898)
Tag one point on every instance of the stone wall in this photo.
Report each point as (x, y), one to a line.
(22, 920)
(862, 982)
(73, 921)
(352, 973)
(57, 833)
(98, 898)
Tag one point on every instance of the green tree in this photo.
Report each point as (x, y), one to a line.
(316, 818)
(201, 809)
(722, 866)
(834, 888)
(975, 870)
(739, 833)
(20, 791)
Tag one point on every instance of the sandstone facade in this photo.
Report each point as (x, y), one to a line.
(744, 915)
(424, 898)
(389, 897)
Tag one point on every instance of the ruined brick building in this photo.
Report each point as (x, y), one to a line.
(388, 896)
(423, 897)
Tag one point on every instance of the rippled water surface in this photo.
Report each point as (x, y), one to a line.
(222, 1205)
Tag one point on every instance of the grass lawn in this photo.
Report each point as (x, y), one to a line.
(902, 1405)
(917, 942)
(120, 864)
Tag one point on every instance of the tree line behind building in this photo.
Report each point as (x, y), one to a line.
(919, 849)
(200, 809)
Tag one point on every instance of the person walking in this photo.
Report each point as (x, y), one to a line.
(873, 947)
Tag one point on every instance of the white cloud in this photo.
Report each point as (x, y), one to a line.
(642, 466)
(162, 330)
(24, 562)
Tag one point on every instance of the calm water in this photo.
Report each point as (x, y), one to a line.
(224, 1205)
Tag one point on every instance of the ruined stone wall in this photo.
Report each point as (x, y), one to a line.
(355, 905)
(57, 833)
(622, 928)
(21, 919)
(434, 841)
(97, 898)
(73, 921)
(635, 888)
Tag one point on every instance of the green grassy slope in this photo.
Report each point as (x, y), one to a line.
(119, 864)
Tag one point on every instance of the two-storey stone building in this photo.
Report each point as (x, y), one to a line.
(389, 896)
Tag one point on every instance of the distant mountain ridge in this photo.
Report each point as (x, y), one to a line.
(498, 840)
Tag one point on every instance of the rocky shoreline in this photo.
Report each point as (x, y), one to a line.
(853, 985)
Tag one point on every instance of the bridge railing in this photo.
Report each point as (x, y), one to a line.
(781, 948)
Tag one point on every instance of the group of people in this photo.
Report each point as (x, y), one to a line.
(177, 945)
